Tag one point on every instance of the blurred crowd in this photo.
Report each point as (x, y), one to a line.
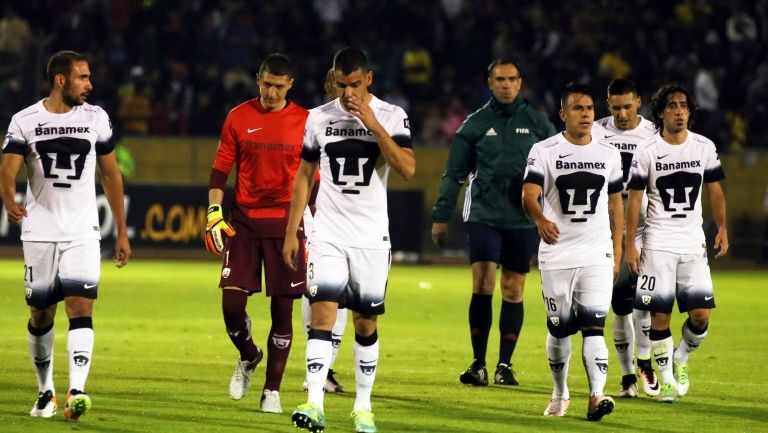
(176, 68)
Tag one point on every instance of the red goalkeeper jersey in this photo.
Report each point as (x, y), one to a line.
(266, 149)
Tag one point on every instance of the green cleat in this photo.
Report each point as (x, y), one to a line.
(309, 416)
(78, 403)
(668, 393)
(363, 421)
(681, 376)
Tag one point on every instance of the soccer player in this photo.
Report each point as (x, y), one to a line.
(331, 384)
(262, 136)
(579, 178)
(356, 139)
(489, 152)
(671, 169)
(624, 129)
(61, 139)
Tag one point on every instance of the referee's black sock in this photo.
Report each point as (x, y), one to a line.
(480, 311)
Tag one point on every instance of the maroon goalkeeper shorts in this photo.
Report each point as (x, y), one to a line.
(243, 258)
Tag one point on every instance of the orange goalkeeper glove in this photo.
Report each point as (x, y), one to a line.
(214, 240)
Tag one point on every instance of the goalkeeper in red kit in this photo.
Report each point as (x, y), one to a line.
(263, 138)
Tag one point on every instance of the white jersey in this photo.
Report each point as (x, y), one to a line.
(576, 181)
(626, 142)
(672, 177)
(60, 153)
(352, 199)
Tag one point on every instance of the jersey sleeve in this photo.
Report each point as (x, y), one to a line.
(615, 177)
(534, 170)
(713, 169)
(310, 148)
(226, 153)
(460, 163)
(639, 169)
(401, 130)
(104, 143)
(14, 141)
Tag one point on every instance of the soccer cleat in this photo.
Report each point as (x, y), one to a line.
(78, 403)
(668, 393)
(331, 384)
(599, 406)
(270, 402)
(504, 375)
(628, 386)
(681, 376)
(476, 375)
(241, 378)
(363, 421)
(557, 407)
(650, 382)
(309, 416)
(45, 406)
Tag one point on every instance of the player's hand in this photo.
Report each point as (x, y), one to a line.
(548, 231)
(290, 250)
(632, 258)
(721, 243)
(214, 239)
(439, 231)
(122, 251)
(360, 109)
(16, 212)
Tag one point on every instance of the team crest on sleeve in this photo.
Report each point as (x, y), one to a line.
(407, 123)
(531, 161)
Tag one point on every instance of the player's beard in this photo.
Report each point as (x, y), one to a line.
(70, 99)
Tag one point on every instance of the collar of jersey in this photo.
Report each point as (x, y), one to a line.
(506, 110)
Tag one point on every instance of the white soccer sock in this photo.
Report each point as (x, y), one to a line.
(594, 353)
(559, 357)
(306, 314)
(662, 353)
(642, 330)
(366, 363)
(337, 333)
(623, 331)
(318, 360)
(688, 344)
(80, 348)
(41, 354)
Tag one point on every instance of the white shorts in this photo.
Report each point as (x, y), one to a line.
(356, 278)
(55, 270)
(576, 298)
(665, 276)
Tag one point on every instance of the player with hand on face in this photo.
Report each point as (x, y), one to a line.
(61, 139)
(625, 129)
(580, 224)
(355, 139)
(672, 168)
(262, 136)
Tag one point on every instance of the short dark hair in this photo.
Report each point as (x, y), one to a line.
(61, 63)
(659, 103)
(621, 86)
(348, 60)
(574, 88)
(504, 61)
(277, 64)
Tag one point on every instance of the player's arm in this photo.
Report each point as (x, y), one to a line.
(302, 188)
(216, 226)
(401, 159)
(616, 214)
(546, 228)
(112, 182)
(717, 203)
(457, 167)
(631, 255)
(9, 168)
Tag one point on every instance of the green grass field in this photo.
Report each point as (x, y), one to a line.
(162, 361)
